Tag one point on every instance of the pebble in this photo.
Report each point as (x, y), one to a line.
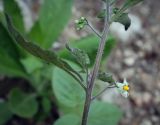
(141, 98)
(130, 57)
(155, 119)
(139, 43)
(141, 54)
(118, 53)
(130, 61)
(147, 80)
(157, 97)
(137, 97)
(145, 10)
(148, 46)
(146, 97)
(128, 73)
(146, 122)
(128, 53)
(155, 29)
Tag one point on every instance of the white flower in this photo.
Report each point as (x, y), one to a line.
(123, 88)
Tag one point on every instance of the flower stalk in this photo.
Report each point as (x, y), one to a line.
(94, 30)
(107, 87)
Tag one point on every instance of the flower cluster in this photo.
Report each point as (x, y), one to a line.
(80, 24)
(123, 88)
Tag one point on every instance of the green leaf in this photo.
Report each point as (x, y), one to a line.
(106, 77)
(67, 91)
(9, 67)
(129, 3)
(36, 35)
(69, 119)
(90, 45)
(11, 7)
(100, 114)
(5, 113)
(123, 19)
(7, 43)
(22, 104)
(2, 18)
(31, 64)
(46, 104)
(80, 56)
(54, 15)
(48, 56)
(9, 55)
(104, 114)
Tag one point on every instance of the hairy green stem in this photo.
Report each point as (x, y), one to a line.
(94, 73)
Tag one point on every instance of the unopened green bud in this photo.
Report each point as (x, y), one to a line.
(80, 24)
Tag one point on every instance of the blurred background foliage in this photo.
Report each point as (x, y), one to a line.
(37, 92)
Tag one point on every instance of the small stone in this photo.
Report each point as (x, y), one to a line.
(128, 53)
(158, 38)
(139, 43)
(147, 80)
(145, 10)
(146, 97)
(128, 73)
(119, 53)
(155, 119)
(137, 97)
(130, 61)
(146, 122)
(157, 97)
(155, 29)
(148, 46)
(141, 54)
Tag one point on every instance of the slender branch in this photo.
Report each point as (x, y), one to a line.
(93, 29)
(77, 74)
(82, 85)
(108, 11)
(100, 93)
(79, 81)
(90, 84)
(87, 76)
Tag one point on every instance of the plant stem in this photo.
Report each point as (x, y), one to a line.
(86, 107)
(91, 80)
